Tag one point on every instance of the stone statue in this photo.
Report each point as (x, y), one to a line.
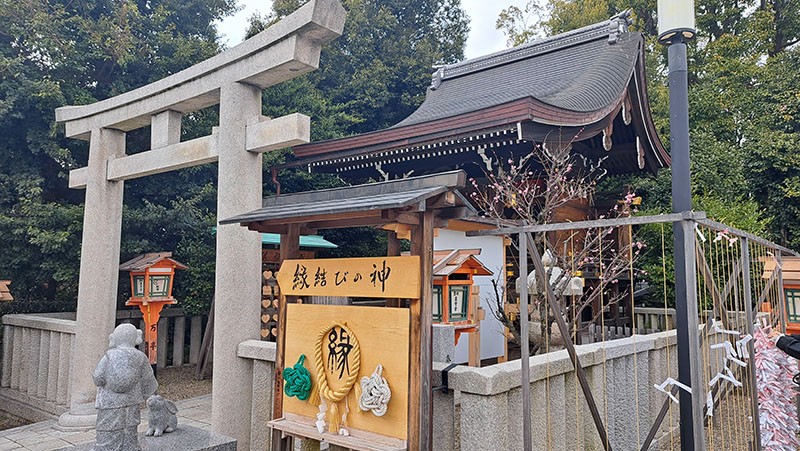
(163, 416)
(124, 379)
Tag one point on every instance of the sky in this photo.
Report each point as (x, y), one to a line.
(483, 38)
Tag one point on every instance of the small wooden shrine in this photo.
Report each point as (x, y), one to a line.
(453, 272)
(354, 376)
(790, 275)
(152, 276)
(5, 292)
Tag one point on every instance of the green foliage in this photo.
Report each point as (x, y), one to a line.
(57, 52)
(377, 72)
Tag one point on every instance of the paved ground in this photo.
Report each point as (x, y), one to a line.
(45, 436)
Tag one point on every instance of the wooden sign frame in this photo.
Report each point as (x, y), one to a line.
(370, 277)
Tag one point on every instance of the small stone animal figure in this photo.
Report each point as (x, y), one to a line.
(163, 416)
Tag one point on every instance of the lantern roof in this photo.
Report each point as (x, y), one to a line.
(144, 261)
(448, 261)
(790, 269)
(5, 292)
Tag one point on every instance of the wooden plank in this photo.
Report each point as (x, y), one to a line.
(290, 248)
(177, 341)
(161, 351)
(205, 346)
(376, 277)
(708, 279)
(357, 440)
(382, 335)
(195, 330)
(392, 244)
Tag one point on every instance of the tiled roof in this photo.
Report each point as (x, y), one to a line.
(584, 70)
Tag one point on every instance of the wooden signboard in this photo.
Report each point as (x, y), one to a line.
(374, 277)
(382, 335)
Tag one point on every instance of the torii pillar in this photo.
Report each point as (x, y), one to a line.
(234, 80)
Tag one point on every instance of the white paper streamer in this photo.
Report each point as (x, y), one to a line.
(669, 382)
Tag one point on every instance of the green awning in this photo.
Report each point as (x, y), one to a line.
(305, 241)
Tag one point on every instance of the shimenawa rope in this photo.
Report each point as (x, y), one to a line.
(298, 380)
(322, 390)
(375, 393)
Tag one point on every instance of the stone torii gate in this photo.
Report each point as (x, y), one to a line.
(234, 80)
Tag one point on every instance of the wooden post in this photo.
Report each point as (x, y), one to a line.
(392, 244)
(751, 319)
(426, 331)
(420, 407)
(781, 292)
(392, 250)
(524, 334)
(290, 248)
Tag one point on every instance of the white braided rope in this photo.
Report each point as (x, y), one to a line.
(375, 393)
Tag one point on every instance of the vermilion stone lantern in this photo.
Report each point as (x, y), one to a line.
(151, 289)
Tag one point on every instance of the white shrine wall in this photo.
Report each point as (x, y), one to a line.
(492, 337)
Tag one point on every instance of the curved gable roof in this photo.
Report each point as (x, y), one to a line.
(587, 83)
(580, 71)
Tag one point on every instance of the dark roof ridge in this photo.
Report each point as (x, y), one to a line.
(610, 28)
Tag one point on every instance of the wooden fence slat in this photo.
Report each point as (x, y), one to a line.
(178, 340)
(163, 330)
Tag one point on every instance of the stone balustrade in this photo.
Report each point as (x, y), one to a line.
(38, 350)
(262, 354)
(482, 409)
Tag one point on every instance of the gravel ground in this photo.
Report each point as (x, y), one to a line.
(179, 383)
(8, 421)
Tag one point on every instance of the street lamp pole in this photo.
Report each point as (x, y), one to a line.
(676, 27)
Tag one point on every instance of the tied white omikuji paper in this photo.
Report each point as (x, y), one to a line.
(776, 394)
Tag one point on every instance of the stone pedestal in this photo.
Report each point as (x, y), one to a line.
(185, 438)
(444, 339)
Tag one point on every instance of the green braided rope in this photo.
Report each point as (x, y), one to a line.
(298, 380)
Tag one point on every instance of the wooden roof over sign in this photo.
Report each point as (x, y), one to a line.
(362, 205)
(5, 292)
(585, 87)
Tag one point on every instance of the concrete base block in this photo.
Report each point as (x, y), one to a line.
(185, 438)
